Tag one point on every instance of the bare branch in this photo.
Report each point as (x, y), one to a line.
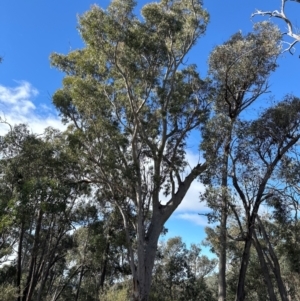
(281, 15)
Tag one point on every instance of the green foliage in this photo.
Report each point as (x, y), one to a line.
(239, 70)
(132, 104)
(180, 273)
(8, 292)
(38, 192)
(128, 73)
(241, 66)
(118, 292)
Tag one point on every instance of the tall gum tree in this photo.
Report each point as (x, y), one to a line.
(260, 148)
(239, 69)
(131, 104)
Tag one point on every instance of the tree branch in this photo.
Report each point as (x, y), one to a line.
(281, 15)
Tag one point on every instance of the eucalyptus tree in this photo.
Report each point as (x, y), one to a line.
(131, 101)
(96, 261)
(260, 148)
(281, 233)
(259, 267)
(239, 69)
(38, 193)
(179, 273)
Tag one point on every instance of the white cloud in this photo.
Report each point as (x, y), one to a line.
(195, 218)
(191, 201)
(17, 106)
(18, 99)
(191, 205)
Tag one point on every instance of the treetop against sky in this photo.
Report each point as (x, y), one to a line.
(31, 30)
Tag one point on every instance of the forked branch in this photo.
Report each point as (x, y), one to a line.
(281, 15)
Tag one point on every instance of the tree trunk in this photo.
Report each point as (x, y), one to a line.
(57, 294)
(275, 264)
(222, 254)
(146, 258)
(240, 292)
(79, 282)
(104, 268)
(223, 221)
(19, 263)
(145, 273)
(280, 284)
(51, 260)
(147, 236)
(264, 268)
(32, 277)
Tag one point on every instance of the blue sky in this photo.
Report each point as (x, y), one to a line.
(31, 30)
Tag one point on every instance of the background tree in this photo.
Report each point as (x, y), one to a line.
(239, 69)
(261, 146)
(180, 273)
(38, 192)
(97, 258)
(257, 273)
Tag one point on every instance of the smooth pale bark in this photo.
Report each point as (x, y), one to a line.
(292, 29)
(148, 239)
